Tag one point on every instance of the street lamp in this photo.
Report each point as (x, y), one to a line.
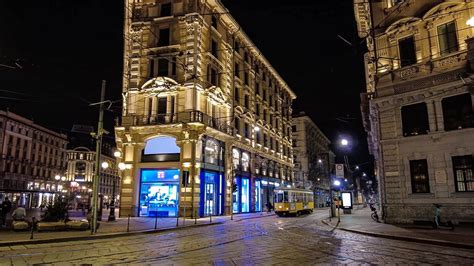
(121, 167)
(105, 165)
(344, 142)
(117, 154)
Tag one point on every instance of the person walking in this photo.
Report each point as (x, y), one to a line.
(6, 208)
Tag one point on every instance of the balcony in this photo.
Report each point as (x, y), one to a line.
(430, 73)
(178, 118)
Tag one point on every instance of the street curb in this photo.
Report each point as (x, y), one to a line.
(104, 236)
(405, 238)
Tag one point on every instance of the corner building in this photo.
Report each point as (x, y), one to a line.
(418, 108)
(206, 122)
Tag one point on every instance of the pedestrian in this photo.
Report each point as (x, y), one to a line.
(269, 206)
(19, 214)
(6, 208)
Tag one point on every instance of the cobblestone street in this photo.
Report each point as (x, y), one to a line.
(294, 241)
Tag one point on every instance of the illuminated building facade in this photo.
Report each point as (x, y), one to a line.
(80, 173)
(31, 156)
(313, 160)
(206, 120)
(418, 108)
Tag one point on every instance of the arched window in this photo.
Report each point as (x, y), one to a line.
(161, 145)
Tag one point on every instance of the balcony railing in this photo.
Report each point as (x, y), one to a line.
(182, 117)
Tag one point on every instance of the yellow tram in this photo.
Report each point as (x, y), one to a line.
(293, 201)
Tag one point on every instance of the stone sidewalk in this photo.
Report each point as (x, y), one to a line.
(361, 222)
(119, 227)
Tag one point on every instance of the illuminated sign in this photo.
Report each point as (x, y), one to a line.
(161, 175)
(346, 200)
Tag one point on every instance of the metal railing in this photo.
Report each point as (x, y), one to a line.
(183, 117)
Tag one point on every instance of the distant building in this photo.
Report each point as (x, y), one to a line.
(313, 161)
(31, 156)
(80, 173)
(418, 108)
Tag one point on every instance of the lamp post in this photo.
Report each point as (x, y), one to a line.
(121, 167)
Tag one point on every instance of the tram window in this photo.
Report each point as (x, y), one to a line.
(285, 196)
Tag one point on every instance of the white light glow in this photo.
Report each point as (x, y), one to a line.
(344, 142)
(320, 161)
(117, 154)
(105, 165)
(57, 177)
(337, 183)
(122, 166)
(470, 22)
(63, 178)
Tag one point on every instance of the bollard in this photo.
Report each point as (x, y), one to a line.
(210, 217)
(195, 216)
(128, 224)
(184, 216)
(33, 223)
(330, 215)
(177, 220)
(156, 220)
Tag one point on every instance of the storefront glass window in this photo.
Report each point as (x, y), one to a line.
(245, 162)
(159, 192)
(236, 158)
(235, 197)
(211, 152)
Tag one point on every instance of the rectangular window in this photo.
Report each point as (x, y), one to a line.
(165, 10)
(419, 176)
(237, 125)
(236, 94)
(236, 70)
(457, 112)
(265, 115)
(214, 48)
(162, 102)
(293, 128)
(271, 143)
(151, 68)
(265, 140)
(213, 77)
(246, 101)
(163, 67)
(415, 120)
(463, 167)
(247, 130)
(258, 136)
(407, 51)
(164, 37)
(264, 94)
(257, 88)
(246, 78)
(257, 110)
(214, 22)
(448, 39)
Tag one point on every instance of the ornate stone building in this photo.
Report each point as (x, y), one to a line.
(206, 122)
(80, 173)
(312, 158)
(418, 110)
(31, 156)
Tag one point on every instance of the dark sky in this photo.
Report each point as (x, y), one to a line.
(66, 48)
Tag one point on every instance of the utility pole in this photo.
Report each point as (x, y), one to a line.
(98, 137)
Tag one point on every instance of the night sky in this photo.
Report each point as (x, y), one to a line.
(65, 49)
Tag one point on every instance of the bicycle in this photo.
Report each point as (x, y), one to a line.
(374, 214)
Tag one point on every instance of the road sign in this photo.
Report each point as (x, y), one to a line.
(340, 170)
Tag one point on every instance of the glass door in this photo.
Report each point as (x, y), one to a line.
(245, 195)
(209, 205)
